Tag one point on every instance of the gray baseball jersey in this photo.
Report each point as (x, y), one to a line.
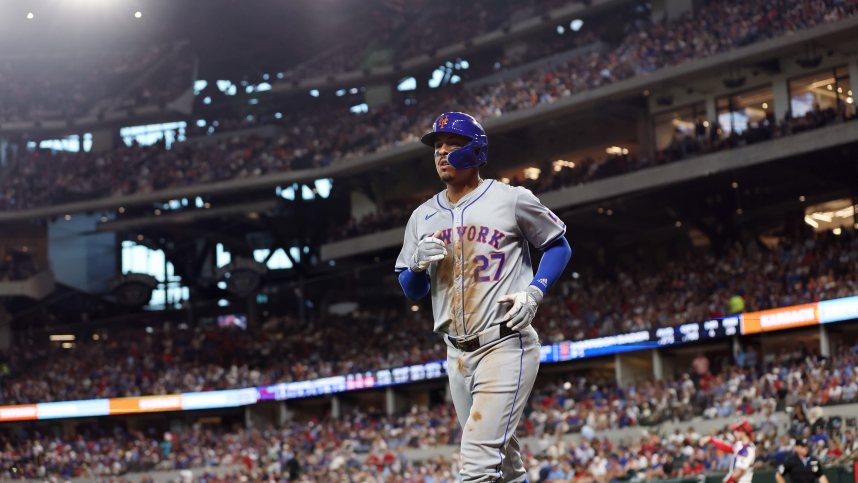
(487, 235)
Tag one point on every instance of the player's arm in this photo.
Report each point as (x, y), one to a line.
(735, 475)
(779, 478)
(415, 285)
(726, 447)
(820, 475)
(551, 266)
(543, 229)
(414, 258)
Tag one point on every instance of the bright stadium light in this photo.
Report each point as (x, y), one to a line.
(30, 16)
(138, 14)
(576, 24)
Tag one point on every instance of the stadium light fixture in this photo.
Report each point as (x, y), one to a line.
(30, 16)
(138, 14)
(532, 173)
(801, 198)
(576, 24)
(561, 30)
(61, 337)
(837, 231)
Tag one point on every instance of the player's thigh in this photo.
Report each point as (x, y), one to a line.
(509, 366)
(459, 378)
(503, 380)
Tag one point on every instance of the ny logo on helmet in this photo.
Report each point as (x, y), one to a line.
(442, 121)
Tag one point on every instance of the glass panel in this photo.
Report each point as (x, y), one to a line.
(738, 112)
(679, 123)
(827, 89)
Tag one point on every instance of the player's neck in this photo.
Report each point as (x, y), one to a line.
(457, 191)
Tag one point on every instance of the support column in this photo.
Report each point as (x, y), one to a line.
(736, 347)
(335, 407)
(5, 329)
(389, 401)
(283, 414)
(646, 135)
(711, 110)
(853, 78)
(824, 341)
(780, 95)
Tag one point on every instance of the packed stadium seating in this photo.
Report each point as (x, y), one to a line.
(689, 287)
(320, 139)
(331, 448)
(392, 25)
(627, 416)
(43, 89)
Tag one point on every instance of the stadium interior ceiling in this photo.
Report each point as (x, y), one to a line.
(232, 37)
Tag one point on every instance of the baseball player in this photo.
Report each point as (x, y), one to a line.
(743, 450)
(469, 247)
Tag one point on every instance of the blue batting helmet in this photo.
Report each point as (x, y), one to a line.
(472, 154)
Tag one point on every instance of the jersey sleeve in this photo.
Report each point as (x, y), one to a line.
(409, 244)
(745, 458)
(539, 225)
(785, 468)
(816, 466)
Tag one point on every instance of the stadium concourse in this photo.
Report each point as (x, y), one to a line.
(323, 137)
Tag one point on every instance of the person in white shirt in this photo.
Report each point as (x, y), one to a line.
(743, 450)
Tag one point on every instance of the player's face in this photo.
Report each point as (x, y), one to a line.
(801, 451)
(446, 143)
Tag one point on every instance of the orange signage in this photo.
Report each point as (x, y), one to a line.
(125, 405)
(18, 413)
(779, 319)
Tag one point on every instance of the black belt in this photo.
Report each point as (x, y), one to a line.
(472, 342)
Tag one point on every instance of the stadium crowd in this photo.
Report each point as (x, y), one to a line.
(392, 23)
(44, 89)
(363, 442)
(761, 273)
(322, 137)
(682, 146)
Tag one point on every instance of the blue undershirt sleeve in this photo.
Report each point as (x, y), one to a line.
(414, 285)
(554, 260)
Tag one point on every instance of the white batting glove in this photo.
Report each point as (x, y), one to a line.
(429, 250)
(524, 305)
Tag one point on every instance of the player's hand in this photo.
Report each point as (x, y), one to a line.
(429, 250)
(705, 440)
(524, 305)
